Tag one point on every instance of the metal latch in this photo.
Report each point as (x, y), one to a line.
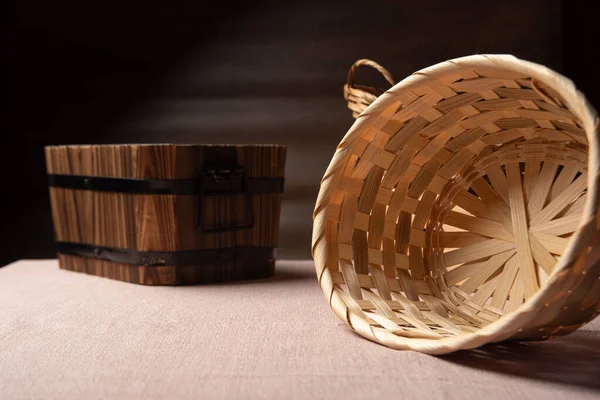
(217, 179)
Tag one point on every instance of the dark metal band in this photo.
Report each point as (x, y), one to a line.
(168, 186)
(168, 258)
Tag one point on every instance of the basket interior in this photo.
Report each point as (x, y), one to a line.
(455, 207)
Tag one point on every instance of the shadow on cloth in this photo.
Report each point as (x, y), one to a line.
(282, 275)
(571, 360)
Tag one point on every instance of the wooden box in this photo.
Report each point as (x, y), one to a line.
(167, 214)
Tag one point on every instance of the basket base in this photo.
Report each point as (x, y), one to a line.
(170, 275)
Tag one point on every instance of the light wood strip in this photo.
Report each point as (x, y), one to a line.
(554, 244)
(461, 100)
(361, 254)
(475, 206)
(380, 282)
(559, 226)
(331, 234)
(482, 295)
(561, 201)
(520, 230)
(541, 255)
(368, 158)
(399, 201)
(351, 279)
(435, 145)
(485, 271)
(574, 208)
(423, 179)
(405, 134)
(424, 210)
(496, 204)
(501, 136)
(464, 139)
(366, 281)
(349, 208)
(564, 179)
(481, 120)
(380, 305)
(477, 251)
(541, 188)
(461, 272)
(481, 226)
(389, 258)
(505, 282)
(456, 163)
(532, 171)
(519, 94)
(460, 239)
(442, 123)
(476, 85)
(398, 168)
(420, 106)
(498, 180)
(517, 293)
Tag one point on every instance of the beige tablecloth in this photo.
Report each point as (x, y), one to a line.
(65, 335)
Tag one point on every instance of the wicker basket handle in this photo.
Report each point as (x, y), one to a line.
(358, 96)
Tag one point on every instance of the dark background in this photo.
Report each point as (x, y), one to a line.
(255, 72)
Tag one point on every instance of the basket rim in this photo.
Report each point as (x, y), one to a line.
(511, 323)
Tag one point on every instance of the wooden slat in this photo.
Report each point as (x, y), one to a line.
(505, 282)
(541, 255)
(561, 201)
(559, 226)
(554, 244)
(541, 188)
(520, 230)
(477, 251)
(481, 226)
(485, 270)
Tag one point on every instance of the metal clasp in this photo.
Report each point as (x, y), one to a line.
(224, 180)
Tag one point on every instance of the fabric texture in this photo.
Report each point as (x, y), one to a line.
(66, 335)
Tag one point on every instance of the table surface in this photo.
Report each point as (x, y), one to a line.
(66, 335)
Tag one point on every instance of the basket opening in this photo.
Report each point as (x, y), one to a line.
(455, 208)
(477, 253)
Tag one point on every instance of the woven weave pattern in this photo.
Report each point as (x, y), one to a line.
(446, 217)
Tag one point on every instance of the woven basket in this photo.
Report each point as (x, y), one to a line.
(462, 208)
